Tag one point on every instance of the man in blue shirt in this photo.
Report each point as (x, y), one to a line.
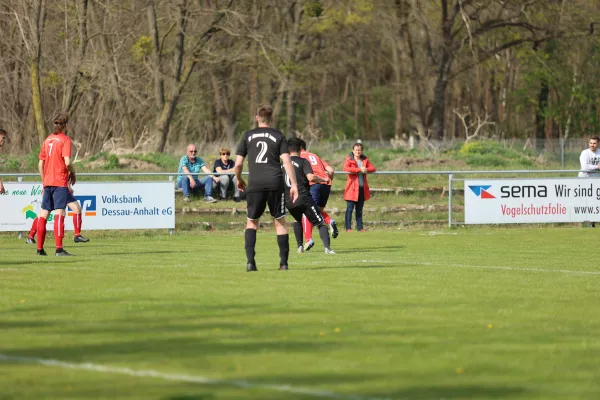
(189, 167)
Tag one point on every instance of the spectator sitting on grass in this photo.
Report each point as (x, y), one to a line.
(189, 167)
(225, 164)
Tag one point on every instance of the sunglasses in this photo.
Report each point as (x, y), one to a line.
(225, 154)
(193, 151)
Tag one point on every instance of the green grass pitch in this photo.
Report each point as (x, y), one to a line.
(477, 313)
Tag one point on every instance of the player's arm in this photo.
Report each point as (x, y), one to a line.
(237, 168)
(316, 179)
(289, 170)
(330, 172)
(41, 168)
(71, 168)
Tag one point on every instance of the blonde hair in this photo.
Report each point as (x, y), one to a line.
(265, 114)
(224, 150)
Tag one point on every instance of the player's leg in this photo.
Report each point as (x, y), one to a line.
(59, 197)
(32, 232)
(313, 214)
(256, 205)
(276, 203)
(77, 219)
(47, 206)
(324, 193)
(296, 212)
(306, 224)
(359, 210)
(348, 217)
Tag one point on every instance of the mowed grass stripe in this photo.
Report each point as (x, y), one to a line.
(390, 316)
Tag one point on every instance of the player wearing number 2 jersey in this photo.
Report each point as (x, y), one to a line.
(264, 146)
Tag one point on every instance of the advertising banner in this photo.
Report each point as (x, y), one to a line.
(513, 201)
(122, 205)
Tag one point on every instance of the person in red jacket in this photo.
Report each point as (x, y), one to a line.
(356, 191)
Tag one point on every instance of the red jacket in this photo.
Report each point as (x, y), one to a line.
(351, 189)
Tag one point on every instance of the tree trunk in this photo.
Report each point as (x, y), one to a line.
(114, 84)
(34, 69)
(291, 108)
(159, 84)
(438, 110)
(163, 123)
(70, 98)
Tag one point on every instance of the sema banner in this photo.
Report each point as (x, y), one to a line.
(513, 201)
(126, 205)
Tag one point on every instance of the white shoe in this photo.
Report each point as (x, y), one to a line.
(300, 249)
(309, 245)
(329, 251)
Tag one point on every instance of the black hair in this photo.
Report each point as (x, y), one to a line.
(294, 144)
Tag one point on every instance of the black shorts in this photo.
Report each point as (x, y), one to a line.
(310, 210)
(54, 198)
(256, 203)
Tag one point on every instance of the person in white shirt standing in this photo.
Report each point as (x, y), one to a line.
(590, 162)
(590, 159)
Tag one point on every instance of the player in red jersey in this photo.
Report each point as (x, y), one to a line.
(75, 207)
(319, 193)
(57, 173)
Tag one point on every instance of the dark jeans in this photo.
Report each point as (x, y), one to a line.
(359, 209)
(204, 183)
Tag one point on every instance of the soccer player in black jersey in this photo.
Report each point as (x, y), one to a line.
(264, 146)
(305, 204)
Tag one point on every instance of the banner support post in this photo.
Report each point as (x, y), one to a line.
(450, 176)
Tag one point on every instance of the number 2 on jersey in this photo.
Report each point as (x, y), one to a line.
(261, 157)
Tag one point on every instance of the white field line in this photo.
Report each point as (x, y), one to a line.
(183, 378)
(441, 264)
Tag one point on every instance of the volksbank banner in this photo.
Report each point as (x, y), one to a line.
(512, 201)
(127, 205)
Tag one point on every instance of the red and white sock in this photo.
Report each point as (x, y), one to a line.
(326, 217)
(77, 224)
(59, 230)
(41, 232)
(307, 226)
(33, 229)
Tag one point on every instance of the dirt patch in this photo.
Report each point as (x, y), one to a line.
(140, 165)
(127, 163)
(403, 163)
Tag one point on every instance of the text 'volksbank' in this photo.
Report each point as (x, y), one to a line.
(114, 199)
(125, 212)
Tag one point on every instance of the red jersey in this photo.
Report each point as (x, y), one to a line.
(317, 165)
(53, 151)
